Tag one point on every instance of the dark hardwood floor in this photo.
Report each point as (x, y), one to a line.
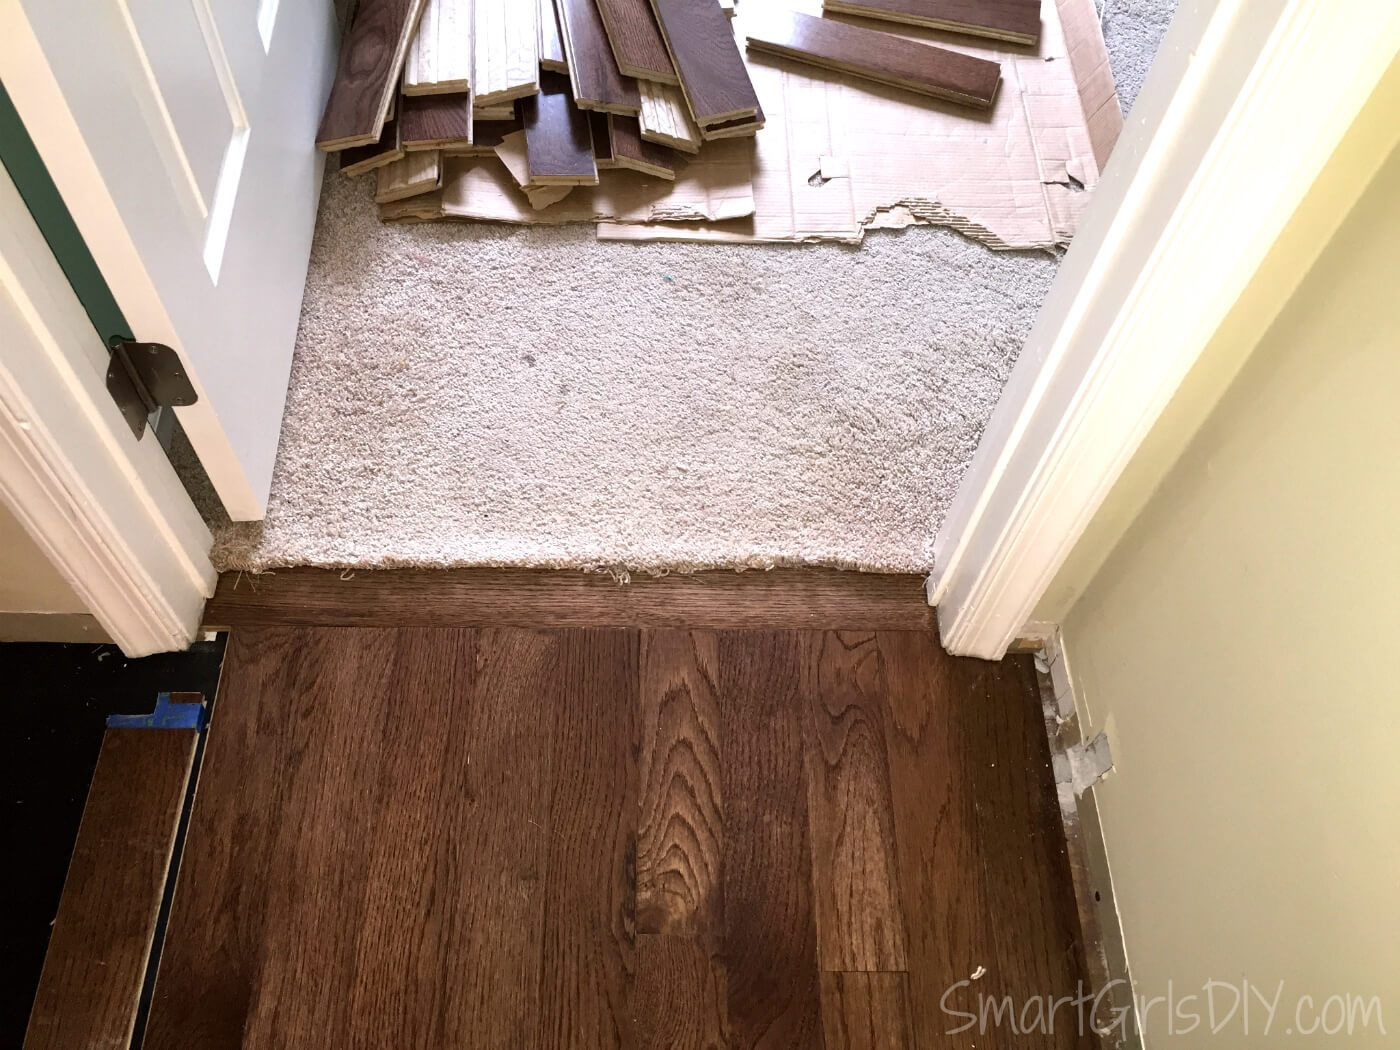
(598, 837)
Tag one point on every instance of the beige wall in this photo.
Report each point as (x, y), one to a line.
(1241, 648)
(28, 582)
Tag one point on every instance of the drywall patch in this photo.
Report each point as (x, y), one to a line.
(1081, 766)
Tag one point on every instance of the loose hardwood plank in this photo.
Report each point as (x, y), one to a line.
(367, 77)
(558, 143)
(630, 150)
(1015, 21)
(435, 121)
(359, 159)
(680, 996)
(588, 946)
(859, 907)
(97, 956)
(597, 82)
(601, 131)
(872, 55)
(439, 60)
(551, 43)
(744, 127)
(866, 1011)
(700, 40)
(505, 39)
(414, 173)
(636, 41)
(780, 598)
(770, 939)
(665, 118)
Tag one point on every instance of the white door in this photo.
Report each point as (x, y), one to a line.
(181, 136)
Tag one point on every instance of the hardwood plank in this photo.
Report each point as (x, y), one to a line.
(866, 1011)
(872, 55)
(551, 43)
(859, 907)
(597, 82)
(1014, 21)
(415, 173)
(680, 997)
(367, 76)
(770, 939)
(498, 790)
(435, 121)
(439, 59)
(96, 962)
(743, 127)
(589, 951)
(781, 598)
(359, 159)
(505, 38)
(558, 143)
(630, 150)
(665, 117)
(700, 40)
(504, 111)
(601, 131)
(636, 41)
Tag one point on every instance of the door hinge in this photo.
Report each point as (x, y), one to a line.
(143, 377)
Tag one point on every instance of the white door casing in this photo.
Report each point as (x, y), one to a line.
(107, 510)
(180, 134)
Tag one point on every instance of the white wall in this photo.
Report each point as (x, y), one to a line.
(1239, 646)
(28, 582)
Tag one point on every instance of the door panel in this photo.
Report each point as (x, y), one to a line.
(181, 134)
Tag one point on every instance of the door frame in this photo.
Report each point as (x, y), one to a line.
(106, 509)
(1230, 131)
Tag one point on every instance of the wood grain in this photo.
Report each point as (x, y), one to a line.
(558, 142)
(439, 58)
(589, 950)
(1014, 21)
(97, 956)
(636, 41)
(630, 150)
(770, 939)
(367, 76)
(505, 38)
(359, 159)
(700, 40)
(805, 598)
(551, 43)
(597, 82)
(867, 1011)
(435, 121)
(680, 998)
(414, 173)
(872, 55)
(665, 117)
(859, 909)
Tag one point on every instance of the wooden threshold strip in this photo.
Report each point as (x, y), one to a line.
(779, 598)
(1015, 21)
(873, 55)
(366, 80)
(713, 76)
(97, 957)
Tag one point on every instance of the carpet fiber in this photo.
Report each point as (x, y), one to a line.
(481, 395)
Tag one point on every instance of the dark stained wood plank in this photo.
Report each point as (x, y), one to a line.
(371, 61)
(866, 1011)
(359, 159)
(770, 939)
(636, 41)
(597, 82)
(700, 39)
(96, 962)
(558, 142)
(602, 139)
(551, 43)
(588, 945)
(630, 150)
(495, 801)
(872, 55)
(855, 879)
(781, 598)
(1015, 21)
(680, 997)
(437, 121)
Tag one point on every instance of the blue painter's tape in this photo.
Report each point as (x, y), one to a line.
(165, 716)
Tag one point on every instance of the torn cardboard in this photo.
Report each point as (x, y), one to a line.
(840, 156)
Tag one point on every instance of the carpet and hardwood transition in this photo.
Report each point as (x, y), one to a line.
(510, 830)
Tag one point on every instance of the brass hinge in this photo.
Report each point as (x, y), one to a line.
(143, 377)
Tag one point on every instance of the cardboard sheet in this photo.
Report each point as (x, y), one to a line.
(840, 156)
